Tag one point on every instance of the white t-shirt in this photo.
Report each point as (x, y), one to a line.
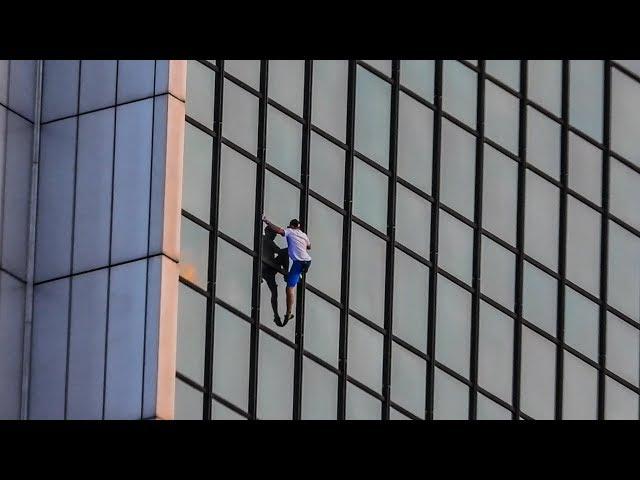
(297, 242)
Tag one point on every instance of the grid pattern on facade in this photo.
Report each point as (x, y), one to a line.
(475, 239)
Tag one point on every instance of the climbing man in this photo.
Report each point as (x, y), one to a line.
(298, 243)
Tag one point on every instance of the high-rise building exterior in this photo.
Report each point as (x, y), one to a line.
(474, 230)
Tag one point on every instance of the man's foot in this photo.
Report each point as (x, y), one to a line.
(287, 317)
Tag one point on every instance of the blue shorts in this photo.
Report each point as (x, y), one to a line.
(297, 269)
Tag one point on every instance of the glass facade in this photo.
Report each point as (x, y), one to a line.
(476, 254)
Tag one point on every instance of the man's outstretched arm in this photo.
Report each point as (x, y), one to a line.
(273, 226)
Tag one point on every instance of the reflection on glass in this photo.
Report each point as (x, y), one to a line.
(275, 379)
(191, 333)
(543, 142)
(623, 345)
(373, 106)
(456, 247)
(326, 166)
(319, 392)
(367, 274)
(583, 245)
(284, 143)
(541, 222)
(537, 387)
(329, 96)
(581, 320)
(453, 326)
(459, 91)
(580, 390)
(457, 169)
(585, 169)
(413, 221)
(450, 398)
(196, 176)
(365, 354)
(233, 276)
(501, 117)
(325, 232)
(321, 328)
(231, 338)
(539, 293)
(624, 273)
(586, 96)
(408, 380)
(281, 203)
(410, 294)
(499, 195)
(240, 117)
(415, 142)
(194, 252)
(495, 352)
(370, 195)
(418, 76)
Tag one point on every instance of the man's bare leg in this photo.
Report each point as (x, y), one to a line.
(291, 293)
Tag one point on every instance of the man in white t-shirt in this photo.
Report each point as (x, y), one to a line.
(298, 245)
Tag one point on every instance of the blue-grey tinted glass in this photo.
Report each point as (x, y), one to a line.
(413, 219)
(201, 83)
(539, 298)
(585, 96)
(453, 326)
(408, 380)
(319, 392)
(321, 328)
(361, 405)
(495, 352)
(583, 246)
(545, 84)
(365, 354)
(418, 76)
(240, 117)
(373, 106)
(625, 193)
(456, 247)
(275, 379)
(326, 169)
(581, 319)
(194, 252)
(415, 142)
(233, 274)
(286, 83)
(537, 387)
(543, 142)
(620, 402)
(325, 234)
(498, 272)
(459, 92)
(623, 344)
(625, 116)
(196, 172)
(624, 271)
(450, 398)
(284, 143)
(191, 333)
(499, 195)
(501, 117)
(541, 223)
(585, 169)
(507, 71)
(370, 195)
(580, 389)
(188, 404)
(247, 71)
(457, 169)
(329, 96)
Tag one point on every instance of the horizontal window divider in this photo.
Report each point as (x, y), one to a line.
(236, 244)
(544, 111)
(498, 306)
(581, 356)
(544, 175)
(330, 138)
(241, 84)
(585, 200)
(367, 322)
(525, 416)
(188, 381)
(624, 225)
(407, 346)
(371, 163)
(375, 71)
(365, 388)
(540, 331)
(283, 176)
(458, 216)
(231, 309)
(586, 137)
(289, 113)
(459, 123)
(240, 150)
(14, 276)
(8, 108)
(272, 333)
(503, 243)
(455, 280)
(196, 220)
(625, 318)
(496, 146)
(223, 401)
(404, 411)
(410, 93)
(588, 295)
(626, 71)
(209, 65)
(495, 398)
(622, 381)
(203, 128)
(369, 228)
(417, 257)
(321, 362)
(322, 295)
(414, 189)
(328, 203)
(194, 287)
(496, 81)
(541, 266)
(453, 373)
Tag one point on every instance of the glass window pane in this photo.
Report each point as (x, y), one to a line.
(545, 84)
(625, 193)
(410, 294)
(220, 412)
(539, 302)
(319, 392)
(275, 379)
(537, 388)
(194, 252)
(580, 390)
(367, 274)
(415, 142)
(453, 326)
(201, 83)
(499, 195)
(507, 71)
(383, 65)
(286, 83)
(458, 169)
(413, 221)
(543, 142)
(188, 404)
(456, 247)
(632, 65)
(281, 203)
(495, 352)
(196, 183)
(583, 246)
(231, 339)
(240, 117)
(490, 410)
(625, 116)
(273, 302)
(498, 273)
(395, 415)
(361, 405)
(246, 70)
(325, 233)
(233, 274)
(321, 328)
(370, 195)
(501, 117)
(408, 380)
(624, 274)
(326, 175)
(192, 313)
(623, 344)
(284, 143)
(365, 354)
(541, 227)
(373, 106)
(418, 75)
(237, 196)
(450, 398)
(329, 97)
(586, 96)
(459, 91)
(621, 403)
(581, 320)
(585, 169)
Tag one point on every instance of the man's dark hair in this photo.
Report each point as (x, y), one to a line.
(294, 223)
